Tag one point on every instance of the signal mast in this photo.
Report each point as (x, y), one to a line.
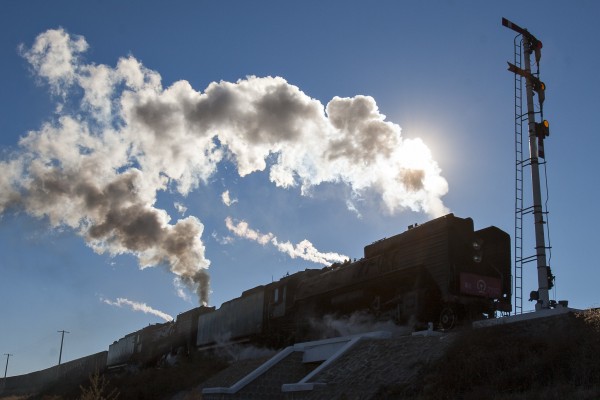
(538, 131)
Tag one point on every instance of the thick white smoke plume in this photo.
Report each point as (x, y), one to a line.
(304, 250)
(119, 137)
(135, 306)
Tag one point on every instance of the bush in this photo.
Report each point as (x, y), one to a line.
(98, 388)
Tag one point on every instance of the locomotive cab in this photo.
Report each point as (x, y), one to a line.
(446, 270)
(480, 275)
(490, 273)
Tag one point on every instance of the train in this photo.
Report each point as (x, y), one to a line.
(441, 272)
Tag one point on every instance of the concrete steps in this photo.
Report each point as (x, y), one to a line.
(291, 372)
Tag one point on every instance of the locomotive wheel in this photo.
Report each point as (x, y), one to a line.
(448, 318)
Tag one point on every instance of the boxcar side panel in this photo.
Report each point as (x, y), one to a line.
(235, 319)
(120, 351)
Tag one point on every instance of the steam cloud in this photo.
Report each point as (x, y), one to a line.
(227, 200)
(304, 250)
(358, 322)
(119, 137)
(181, 209)
(135, 306)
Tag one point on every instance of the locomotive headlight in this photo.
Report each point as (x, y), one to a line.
(477, 258)
(476, 245)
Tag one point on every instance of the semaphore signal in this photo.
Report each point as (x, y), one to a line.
(538, 131)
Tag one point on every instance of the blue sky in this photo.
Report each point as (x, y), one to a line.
(436, 69)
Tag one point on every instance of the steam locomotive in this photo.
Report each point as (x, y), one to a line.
(442, 271)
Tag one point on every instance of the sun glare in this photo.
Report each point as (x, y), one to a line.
(415, 154)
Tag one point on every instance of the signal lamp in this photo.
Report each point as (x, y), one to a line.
(542, 129)
(539, 87)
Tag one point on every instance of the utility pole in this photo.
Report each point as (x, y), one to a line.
(61, 344)
(537, 133)
(6, 368)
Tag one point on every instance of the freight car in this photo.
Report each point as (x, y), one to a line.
(140, 346)
(149, 345)
(442, 271)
